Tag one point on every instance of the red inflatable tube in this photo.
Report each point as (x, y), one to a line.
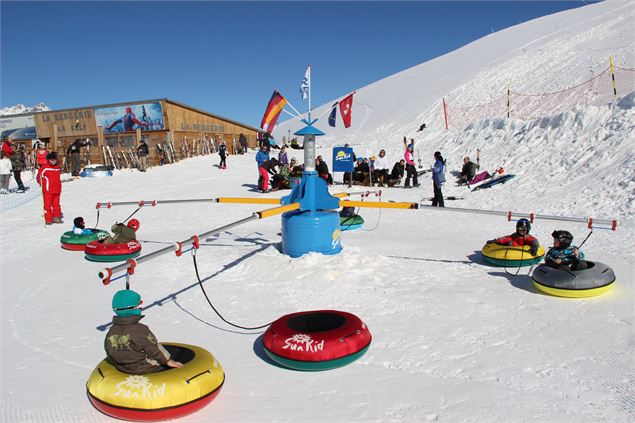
(97, 248)
(315, 336)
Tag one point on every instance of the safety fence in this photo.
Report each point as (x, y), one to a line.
(605, 88)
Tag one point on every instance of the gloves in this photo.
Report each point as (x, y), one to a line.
(533, 250)
(491, 241)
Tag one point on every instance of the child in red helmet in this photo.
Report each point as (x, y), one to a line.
(123, 233)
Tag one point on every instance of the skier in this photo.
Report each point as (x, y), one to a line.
(127, 121)
(142, 153)
(266, 168)
(222, 152)
(49, 179)
(438, 179)
(563, 254)
(130, 345)
(123, 233)
(411, 170)
(519, 238)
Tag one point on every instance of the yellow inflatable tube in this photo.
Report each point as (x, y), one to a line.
(511, 256)
(158, 396)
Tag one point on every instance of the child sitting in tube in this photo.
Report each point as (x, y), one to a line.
(563, 253)
(123, 233)
(130, 346)
(79, 227)
(519, 238)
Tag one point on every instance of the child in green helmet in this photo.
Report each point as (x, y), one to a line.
(130, 346)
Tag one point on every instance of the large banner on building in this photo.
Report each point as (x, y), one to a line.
(118, 119)
(9, 124)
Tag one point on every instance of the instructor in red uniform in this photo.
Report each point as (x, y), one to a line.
(49, 179)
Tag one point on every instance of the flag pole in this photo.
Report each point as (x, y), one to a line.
(309, 93)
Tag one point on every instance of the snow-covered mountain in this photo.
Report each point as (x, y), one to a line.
(454, 339)
(21, 108)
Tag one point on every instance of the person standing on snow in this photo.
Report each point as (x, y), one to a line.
(40, 154)
(266, 168)
(411, 170)
(282, 156)
(142, 153)
(222, 152)
(438, 179)
(49, 179)
(5, 172)
(73, 153)
(18, 163)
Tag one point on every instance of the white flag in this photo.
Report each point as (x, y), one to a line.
(306, 83)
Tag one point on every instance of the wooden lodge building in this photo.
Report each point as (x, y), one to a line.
(164, 124)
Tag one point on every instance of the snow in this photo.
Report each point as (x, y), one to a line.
(454, 340)
(21, 108)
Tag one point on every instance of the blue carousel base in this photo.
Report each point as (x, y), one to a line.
(311, 231)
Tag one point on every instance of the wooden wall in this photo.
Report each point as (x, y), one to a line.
(76, 123)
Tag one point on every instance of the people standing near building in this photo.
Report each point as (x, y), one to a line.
(40, 154)
(142, 153)
(222, 152)
(73, 153)
(49, 178)
(18, 163)
(266, 168)
(438, 179)
(244, 145)
(5, 172)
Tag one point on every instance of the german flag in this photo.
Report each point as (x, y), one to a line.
(275, 106)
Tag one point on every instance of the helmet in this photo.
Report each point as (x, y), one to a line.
(134, 224)
(128, 109)
(126, 303)
(564, 238)
(523, 224)
(78, 222)
(51, 156)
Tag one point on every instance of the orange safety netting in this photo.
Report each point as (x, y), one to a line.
(596, 91)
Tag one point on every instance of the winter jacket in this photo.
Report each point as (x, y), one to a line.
(261, 157)
(270, 166)
(18, 161)
(397, 171)
(49, 178)
(222, 150)
(74, 147)
(129, 344)
(282, 158)
(469, 170)
(322, 168)
(410, 158)
(80, 231)
(381, 163)
(5, 166)
(41, 156)
(438, 170)
(123, 233)
(142, 150)
(567, 255)
(7, 148)
(518, 240)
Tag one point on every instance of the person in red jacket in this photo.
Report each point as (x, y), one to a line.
(7, 147)
(40, 155)
(519, 238)
(49, 178)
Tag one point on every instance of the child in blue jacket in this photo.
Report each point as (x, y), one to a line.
(563, 253)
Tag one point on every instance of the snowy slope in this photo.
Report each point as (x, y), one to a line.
(454, 340)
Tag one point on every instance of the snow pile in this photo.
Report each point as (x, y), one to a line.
(454, 340)
(21, 108)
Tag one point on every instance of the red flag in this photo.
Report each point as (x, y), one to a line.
(346, 108)
(275, 106)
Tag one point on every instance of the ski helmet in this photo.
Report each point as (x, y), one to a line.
(79, 222)
(564, 238)
(126, 303)
(128, 110)
(523, 224)
(134, 224)
(51, 156)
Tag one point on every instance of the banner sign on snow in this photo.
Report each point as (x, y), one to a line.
(343, 159)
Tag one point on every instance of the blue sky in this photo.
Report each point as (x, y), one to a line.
(228, 57)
